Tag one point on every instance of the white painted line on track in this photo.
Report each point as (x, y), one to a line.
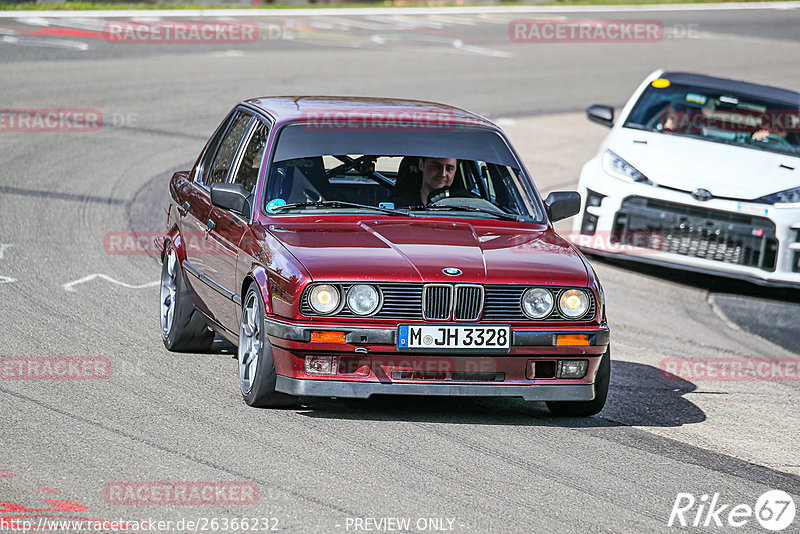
(719, 313)
(357, 24)
(45, 43)
(398, 22)
(5, 279)
(70, 286)
(83, 23)
(479, 50)
(731, 6)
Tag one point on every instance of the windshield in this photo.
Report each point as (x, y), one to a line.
(464, 172)
(715, 115)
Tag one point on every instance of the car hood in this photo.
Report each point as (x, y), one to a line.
(417, 251)
(688, 164)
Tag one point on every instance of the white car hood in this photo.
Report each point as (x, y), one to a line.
(687, 164)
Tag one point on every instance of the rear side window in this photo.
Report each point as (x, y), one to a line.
(218, 170)
(247, 173)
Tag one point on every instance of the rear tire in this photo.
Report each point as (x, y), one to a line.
(592, 407)
(257, 375)
(183, 328)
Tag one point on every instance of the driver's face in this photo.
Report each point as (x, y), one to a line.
(437, 172)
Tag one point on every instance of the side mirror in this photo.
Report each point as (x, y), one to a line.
(601, 114)
(562, 204)
(233, 197)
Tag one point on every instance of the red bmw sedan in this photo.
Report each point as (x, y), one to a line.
(357, 246)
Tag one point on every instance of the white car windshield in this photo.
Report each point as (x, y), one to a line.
(718, 116)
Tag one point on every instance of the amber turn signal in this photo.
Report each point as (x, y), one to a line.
(322, 336)
(571, 340)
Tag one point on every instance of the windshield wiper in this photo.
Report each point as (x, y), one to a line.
(338, 204)
(499, 214)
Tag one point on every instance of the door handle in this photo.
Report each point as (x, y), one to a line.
(183, 210)
(209, 226)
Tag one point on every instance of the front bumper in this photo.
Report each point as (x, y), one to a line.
(363, 390)
(744, 240)
(526, 371)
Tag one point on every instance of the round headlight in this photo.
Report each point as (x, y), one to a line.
(573, 303)
(363, 299)
(537, 302)
(324, 298)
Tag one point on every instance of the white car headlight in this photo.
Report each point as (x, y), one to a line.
(537, 302)
(790, 196)
(362, 299)
(573, 303)
(619, 168)
(324, 298)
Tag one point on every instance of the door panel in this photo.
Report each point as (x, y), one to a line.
(212, 256)
(229, 228)
(192, 230)
(225, 238)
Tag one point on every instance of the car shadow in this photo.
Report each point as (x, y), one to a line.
(643, 395)
(640, 395)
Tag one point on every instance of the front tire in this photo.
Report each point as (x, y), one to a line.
(592, 407)
(183, 328)
(257, 375)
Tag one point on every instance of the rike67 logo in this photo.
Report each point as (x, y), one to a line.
(774, 510)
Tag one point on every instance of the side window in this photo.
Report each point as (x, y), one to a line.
(218, 170)
(247, 174)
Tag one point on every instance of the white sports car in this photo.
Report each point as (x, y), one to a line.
(698, 173)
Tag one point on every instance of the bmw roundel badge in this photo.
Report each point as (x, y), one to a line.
(451, 271)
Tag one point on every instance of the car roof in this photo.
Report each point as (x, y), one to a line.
(752, 89)
(294, 108)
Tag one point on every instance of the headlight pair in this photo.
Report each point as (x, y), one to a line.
(362, 299)
(538, 303)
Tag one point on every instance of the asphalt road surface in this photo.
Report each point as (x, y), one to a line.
(333, 465)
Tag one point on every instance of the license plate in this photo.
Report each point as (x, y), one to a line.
(454, 338)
